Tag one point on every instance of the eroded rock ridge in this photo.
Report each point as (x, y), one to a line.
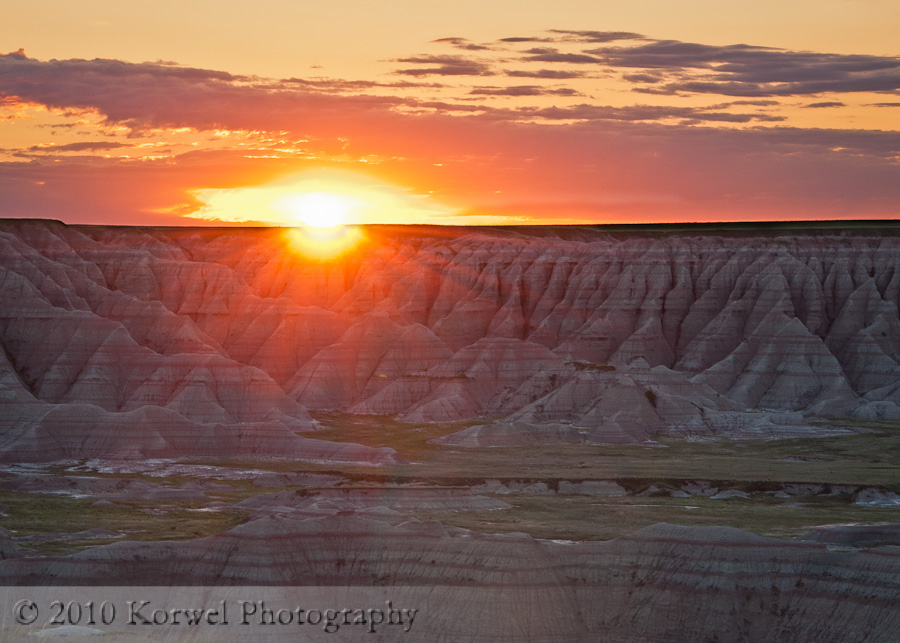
(138, 342)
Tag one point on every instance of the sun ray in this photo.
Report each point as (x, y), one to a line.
(324, 243)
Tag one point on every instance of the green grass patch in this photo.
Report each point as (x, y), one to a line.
(39, 513)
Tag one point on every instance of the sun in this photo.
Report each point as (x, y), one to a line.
(322, 210)
(320, 199)
(322, 233)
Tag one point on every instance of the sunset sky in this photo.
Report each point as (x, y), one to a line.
(463, 112)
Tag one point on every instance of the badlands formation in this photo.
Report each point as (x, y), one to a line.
(150, 373)
(127, 343)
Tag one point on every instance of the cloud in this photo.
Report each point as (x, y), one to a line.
(645, 113)
(462, 43)
(341, 85)
(523, 90)
(445, 107)
(756, 103)
(550, 74)
(597, 36)
(147, 95)
(525, 39)
(84, 146)
(445, 66)
(643, 78)
(468, 69)
(553, 56)
(745, 70)
(832, 103)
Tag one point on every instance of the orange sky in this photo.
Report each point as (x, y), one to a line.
(441, 112)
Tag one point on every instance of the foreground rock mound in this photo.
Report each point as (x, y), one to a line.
(141, 342)
(663, 583)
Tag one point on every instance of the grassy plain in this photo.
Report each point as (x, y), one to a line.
(867, 459)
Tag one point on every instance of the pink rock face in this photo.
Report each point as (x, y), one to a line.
(131, 342)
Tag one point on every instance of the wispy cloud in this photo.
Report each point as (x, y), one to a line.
(516, 39)
(596, 36)
(524, 90)
(548, 74)
(444, 66)
(84, 146)
(552, 55)
(647, 113)
(344, 86)
(462, 43)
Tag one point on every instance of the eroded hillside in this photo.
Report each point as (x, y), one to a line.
(125, 342)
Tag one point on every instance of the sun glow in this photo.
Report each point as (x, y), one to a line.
(320, 199)
(321, 209)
